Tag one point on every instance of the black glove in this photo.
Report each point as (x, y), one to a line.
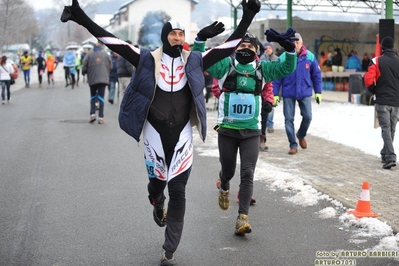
(211, 31)
(286, 40)
(250, 8)
(74, 13)
(267, 107)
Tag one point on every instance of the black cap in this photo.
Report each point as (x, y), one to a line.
(387, 43)
(248, 37)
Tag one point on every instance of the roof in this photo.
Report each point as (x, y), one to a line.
(131, 1)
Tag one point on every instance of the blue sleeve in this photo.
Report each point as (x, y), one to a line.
(316, 77)
(276, 87)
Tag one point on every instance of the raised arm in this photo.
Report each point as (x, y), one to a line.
(250, 9)
(124, 49)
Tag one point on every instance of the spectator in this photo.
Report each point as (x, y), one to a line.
(353, 62)
(268, 54)
(69, 67)
(328, 62)
(113, 77)
(365, 62)
(41, 67)
(382, 80)
(51, 65)
(6, 70)
(337, 57)
(323, 59)
(267, 118)
(97, 65)
(82, 57)
(298, 87)
(26, 63)
(149, 107)
(125, 71)
(78, 67)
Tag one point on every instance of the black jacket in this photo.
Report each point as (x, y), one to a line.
(387, 87)
(125, 69)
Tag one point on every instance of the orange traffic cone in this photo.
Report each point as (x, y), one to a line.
(363, 208)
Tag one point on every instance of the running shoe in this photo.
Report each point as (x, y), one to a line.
(242, 225)
(224, 199)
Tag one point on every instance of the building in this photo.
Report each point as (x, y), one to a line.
(126, 22)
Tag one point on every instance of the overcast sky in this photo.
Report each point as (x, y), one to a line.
(40, 4)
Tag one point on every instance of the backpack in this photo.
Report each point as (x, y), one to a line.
(230, 83)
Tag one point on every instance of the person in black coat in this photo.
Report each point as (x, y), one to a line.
(125, 71)
(337, 58)
(382, 79)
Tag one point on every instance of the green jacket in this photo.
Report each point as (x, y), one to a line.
(241, 108)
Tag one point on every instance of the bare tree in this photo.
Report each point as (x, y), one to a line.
(17, 22)
(151, 26)
(71, 31)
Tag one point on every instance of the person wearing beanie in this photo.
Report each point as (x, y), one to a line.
(382, 80)
(387, 43)
(162, 104)
(268, 54)
(267, 119)
(243, 96)
(41, 67)
(299, 87)
(97, 65)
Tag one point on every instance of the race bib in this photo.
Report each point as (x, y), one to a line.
(241, 106)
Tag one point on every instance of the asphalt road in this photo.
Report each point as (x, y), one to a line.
(74, 193)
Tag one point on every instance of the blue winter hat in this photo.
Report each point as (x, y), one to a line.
(267, 44)
(97, 47)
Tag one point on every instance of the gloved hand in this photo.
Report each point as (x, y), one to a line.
(211, 31)
(276, 100)
(318, 97)
(74, 13)
(250, 8)
(286, 40)
(267, 107)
